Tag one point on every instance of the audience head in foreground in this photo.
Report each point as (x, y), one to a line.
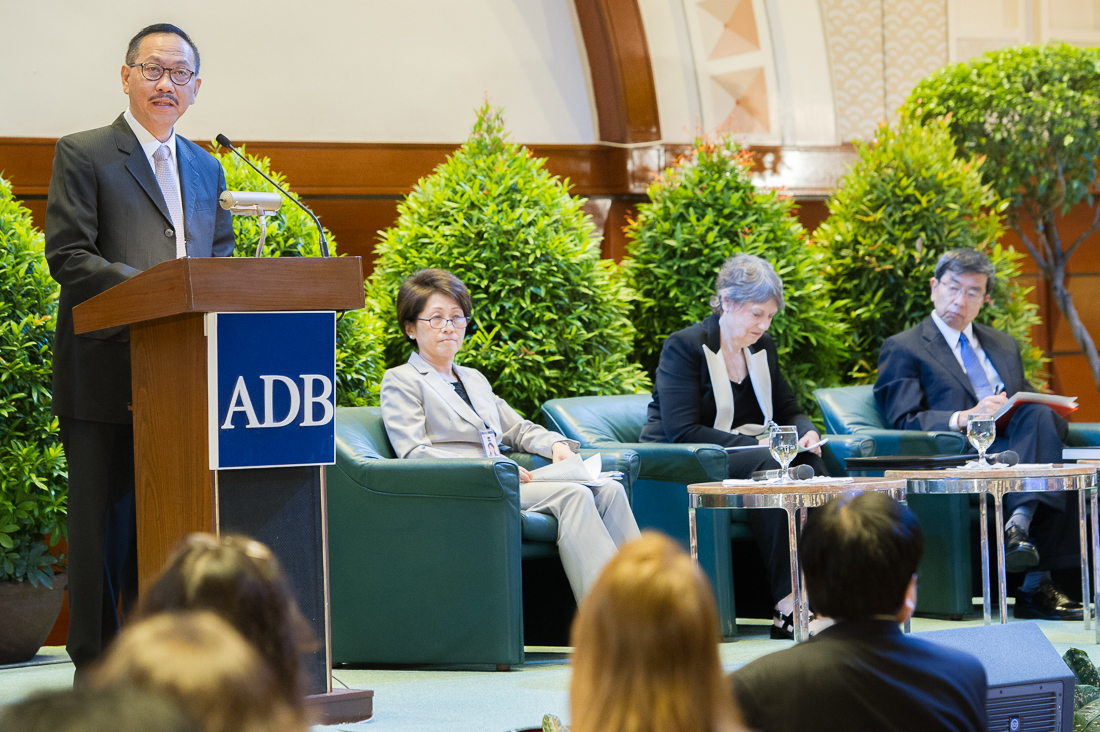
(201, 663)
(860, 555)
(852, 539)
(86, 710)
(240, 580)
(646, 647)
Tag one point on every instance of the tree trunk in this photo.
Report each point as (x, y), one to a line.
(1080, 334)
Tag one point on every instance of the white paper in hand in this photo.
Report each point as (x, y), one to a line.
(572, 469)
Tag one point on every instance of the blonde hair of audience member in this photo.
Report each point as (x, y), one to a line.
(239, 579)
(200, 662)
(645, 640)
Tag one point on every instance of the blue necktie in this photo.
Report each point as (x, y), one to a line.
(974, 370)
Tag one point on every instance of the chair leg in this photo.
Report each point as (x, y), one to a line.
(503, 667)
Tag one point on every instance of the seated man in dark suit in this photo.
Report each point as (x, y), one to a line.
(859, 555)
(931, 377)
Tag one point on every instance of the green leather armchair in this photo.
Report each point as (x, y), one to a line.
(426, 556)
(945, 571)
(660, 493)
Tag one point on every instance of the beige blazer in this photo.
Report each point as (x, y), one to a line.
(426, 418)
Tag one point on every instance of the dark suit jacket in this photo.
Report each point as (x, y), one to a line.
(921, 384)
(683, 407)
(106, 221)
(863, 675)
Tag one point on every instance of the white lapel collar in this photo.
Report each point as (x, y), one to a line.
(446, 391)
(761, 378)
(723, 392)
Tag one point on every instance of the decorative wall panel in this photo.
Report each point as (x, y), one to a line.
(879, 49)
(915, 33)
(735, 67)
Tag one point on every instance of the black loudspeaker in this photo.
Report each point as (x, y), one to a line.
(1030, 686)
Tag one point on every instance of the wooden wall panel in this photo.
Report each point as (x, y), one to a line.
(1075, 379)
(622, 76)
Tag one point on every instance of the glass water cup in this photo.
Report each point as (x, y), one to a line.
(783, 444)
(981, 430)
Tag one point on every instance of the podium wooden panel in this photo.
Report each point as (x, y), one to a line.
(164, 307)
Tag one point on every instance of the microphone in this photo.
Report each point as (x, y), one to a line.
(230, 200)
(798, 472)
(1008, 457)
(225, 142)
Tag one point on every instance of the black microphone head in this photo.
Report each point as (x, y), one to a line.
(802, 472)
(1008, 457)
(223, 141)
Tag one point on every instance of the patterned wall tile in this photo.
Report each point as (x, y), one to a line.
(915, 33)
(854, 32)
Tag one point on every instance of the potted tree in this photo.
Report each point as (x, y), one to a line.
(33, 488)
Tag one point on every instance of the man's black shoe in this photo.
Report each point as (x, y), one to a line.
(1046, 603)
(1020, 554)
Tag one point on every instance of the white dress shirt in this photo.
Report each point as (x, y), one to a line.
(149, 145)
(952, 337)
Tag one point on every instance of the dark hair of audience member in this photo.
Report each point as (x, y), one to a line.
(200, 662)
(239, 579)
(85, 710)
(858, 555)
(645, 643)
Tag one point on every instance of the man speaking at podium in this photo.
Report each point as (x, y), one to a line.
(122, 199)
(946, 368)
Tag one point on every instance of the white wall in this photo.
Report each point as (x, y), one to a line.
(325, 70)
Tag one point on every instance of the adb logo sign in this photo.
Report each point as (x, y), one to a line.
(272, 379)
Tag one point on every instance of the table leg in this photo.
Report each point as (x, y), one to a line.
(796, 576)
(1083, 527)
(1002, 590)
(1096, 558)
(804, 605)
(983, 528)
(693, 536)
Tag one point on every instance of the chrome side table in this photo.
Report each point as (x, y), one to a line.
(997, 482)
(791, 497)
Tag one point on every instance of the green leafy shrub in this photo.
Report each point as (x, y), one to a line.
(703, 210)
(33, 482)
(906, 201)
(292, 233)
(1034, 113)
(552, 316)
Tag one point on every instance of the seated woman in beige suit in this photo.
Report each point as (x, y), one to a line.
(434, 408)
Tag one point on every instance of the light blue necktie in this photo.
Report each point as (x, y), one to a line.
(162, 159)
(974, 370)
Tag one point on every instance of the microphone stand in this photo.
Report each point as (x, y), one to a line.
(226, 142)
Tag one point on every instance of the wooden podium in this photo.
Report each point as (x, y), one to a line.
(176, 491)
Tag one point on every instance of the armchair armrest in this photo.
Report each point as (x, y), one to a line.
(475, 478)
(625, 461)
(915, 442)
(1083, 434)
(839, 448)
(676, 462)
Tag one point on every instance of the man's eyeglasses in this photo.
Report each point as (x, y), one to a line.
(438, 321)
(153, 72)
(973, 294)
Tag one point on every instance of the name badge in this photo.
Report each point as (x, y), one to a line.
(489, 443)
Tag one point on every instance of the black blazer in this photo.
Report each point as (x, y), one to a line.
(863, 675)
(106, 221)
(921, 384)
(683, 407)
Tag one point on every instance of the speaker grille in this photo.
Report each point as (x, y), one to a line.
(1035, 707)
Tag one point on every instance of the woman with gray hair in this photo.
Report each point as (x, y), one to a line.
(718, 382)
